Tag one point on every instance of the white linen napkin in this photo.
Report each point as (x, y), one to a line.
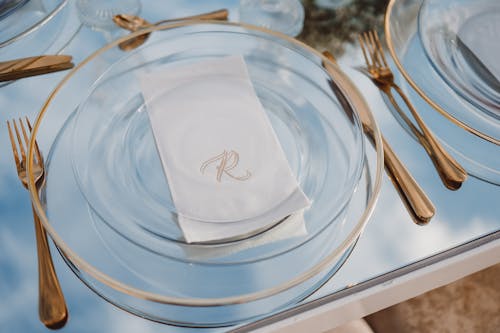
(227, 173)
(292, 226)
(480, 34)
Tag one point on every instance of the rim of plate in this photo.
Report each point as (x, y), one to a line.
(435, 106)
(348, 89)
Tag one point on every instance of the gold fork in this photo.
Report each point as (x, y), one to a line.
(51, 304)
(452, 174)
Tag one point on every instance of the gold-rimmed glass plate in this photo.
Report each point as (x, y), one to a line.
(185, 284)
(458, 37)
(471, 136)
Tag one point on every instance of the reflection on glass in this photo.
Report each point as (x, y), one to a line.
(98, 14)
(286, 16)
(332, 3)
(8, 6)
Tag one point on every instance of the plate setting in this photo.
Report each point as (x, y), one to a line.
(107, 203)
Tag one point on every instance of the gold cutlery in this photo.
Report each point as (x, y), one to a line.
(51, 304)
(452, 174)
(20, 68)
(414, 198)
(134, 23)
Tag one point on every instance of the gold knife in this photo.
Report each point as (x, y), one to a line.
(20, 68)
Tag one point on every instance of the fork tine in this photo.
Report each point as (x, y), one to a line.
(20, 141)
(363, 48)
(13, 143)
(374, 49)
(25, 135)
(380, 49)
(366, 42)
(23, 130)
(37, 149)
(371, 49)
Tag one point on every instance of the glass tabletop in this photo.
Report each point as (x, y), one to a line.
(390, 242)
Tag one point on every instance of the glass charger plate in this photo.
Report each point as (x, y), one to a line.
(456, 124)
(203, 270)
(114, 154)
(449, 31)
(211, 284)
(39, 27)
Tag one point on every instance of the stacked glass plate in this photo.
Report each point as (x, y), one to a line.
(107, 205)
(447, 56)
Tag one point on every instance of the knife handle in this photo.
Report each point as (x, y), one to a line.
(416, 201)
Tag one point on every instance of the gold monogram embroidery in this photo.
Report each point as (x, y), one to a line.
(228, 161)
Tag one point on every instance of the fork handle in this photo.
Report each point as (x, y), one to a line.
(51, 304)
(450, 171)
(416, 201)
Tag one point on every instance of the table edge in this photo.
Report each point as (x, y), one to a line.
(384, 290)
